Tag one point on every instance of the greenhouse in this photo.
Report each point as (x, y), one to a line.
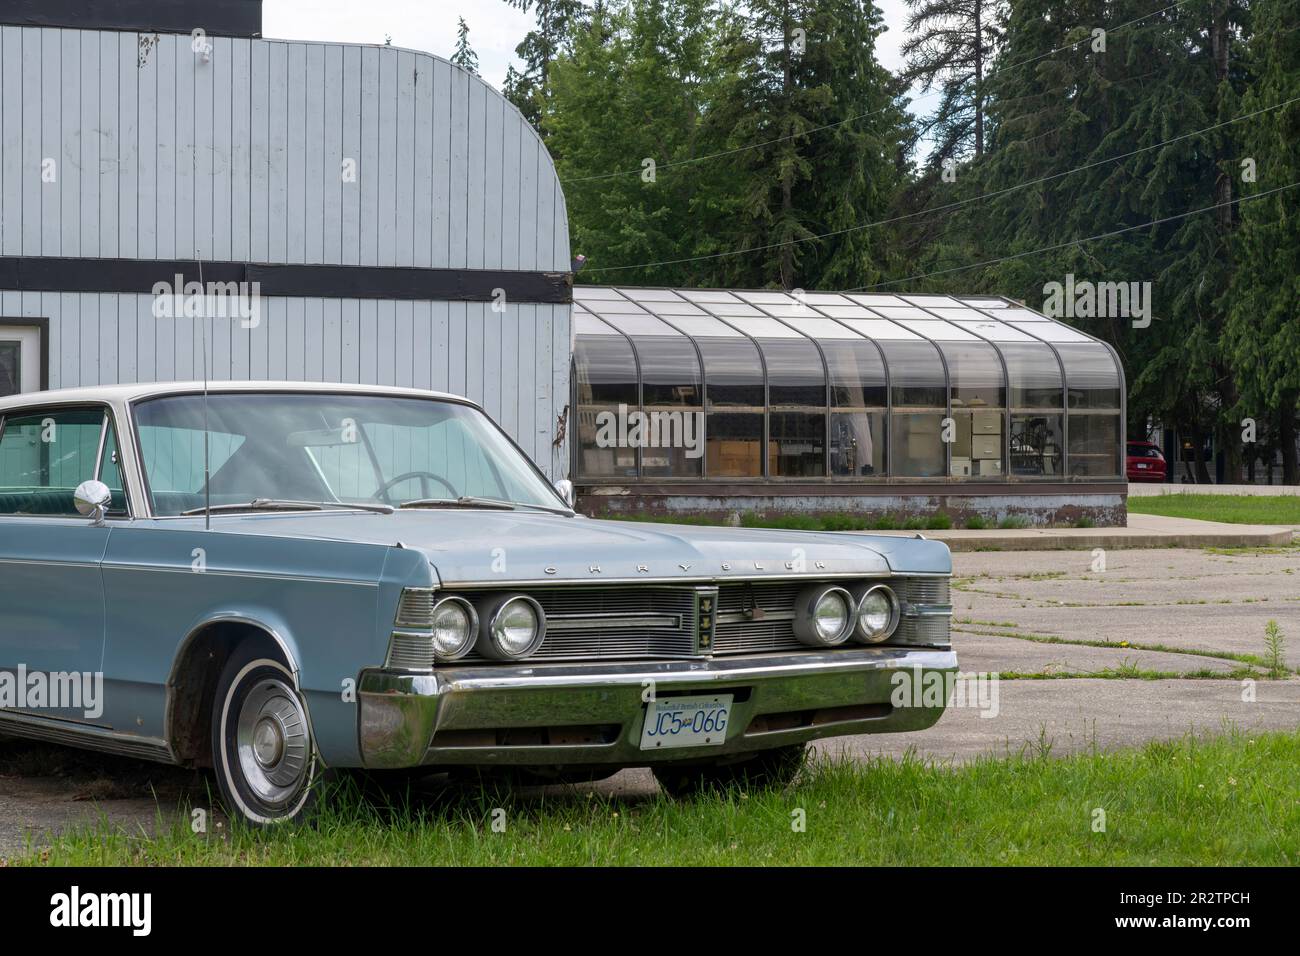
(717, 393)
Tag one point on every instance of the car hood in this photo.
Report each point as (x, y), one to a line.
(480, 546)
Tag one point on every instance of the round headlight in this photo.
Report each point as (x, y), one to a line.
(877, 615)
(515, 629)
(454, 624)
(824, 616)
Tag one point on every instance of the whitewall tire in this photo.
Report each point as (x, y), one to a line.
(263, 752)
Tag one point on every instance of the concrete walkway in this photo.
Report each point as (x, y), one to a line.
(1143, 531)
(1140, 489)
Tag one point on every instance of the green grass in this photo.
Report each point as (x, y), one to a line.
(1229, 800)
(1233, 509)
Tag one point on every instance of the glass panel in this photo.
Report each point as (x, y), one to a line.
(10, 368)
(874, 300)
(977, 397)
(584, 293)
(857, 408)
(941, 331)
(820, 328)
(933, 301)
(882, 331)
(1091, 376)
(916, 374)
(43, 457)
(605, 374)
(1052, 331)
(1014, 313)
(1036, 445)
(1094, 445)
(735, 406)
(175, 457)
(961, 314)
(766, 328)
(708, 295)
(917, 382)
(902, 312)
(1035, 375)
(796, 397)
(916, 445)
(846, 311)
(672, 401)
(995, 331)
(331, 448)
(651, 295)
(975, 375)
(110, 472)
(732, 308)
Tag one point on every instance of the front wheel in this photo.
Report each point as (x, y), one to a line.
(766, 769)
(262, 748)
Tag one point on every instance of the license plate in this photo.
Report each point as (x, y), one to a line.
(1141, 465)
(686, 722)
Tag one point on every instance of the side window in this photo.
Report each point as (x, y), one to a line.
(44, 456)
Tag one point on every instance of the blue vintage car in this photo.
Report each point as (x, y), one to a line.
(273, 579)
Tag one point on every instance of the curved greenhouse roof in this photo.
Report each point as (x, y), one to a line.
(737, 386)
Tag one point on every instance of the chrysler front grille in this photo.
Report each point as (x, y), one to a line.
(612, 622)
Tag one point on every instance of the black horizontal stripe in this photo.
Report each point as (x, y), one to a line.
(231, 18)
(61, 274)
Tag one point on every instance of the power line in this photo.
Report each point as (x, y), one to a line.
(1077, 242)
(953, 205)
(852, 119)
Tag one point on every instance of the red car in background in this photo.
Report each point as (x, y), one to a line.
(1145, 462)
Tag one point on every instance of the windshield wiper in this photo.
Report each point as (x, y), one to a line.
(464, 501)
(281, 504)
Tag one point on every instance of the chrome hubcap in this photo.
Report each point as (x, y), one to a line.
(272, 741)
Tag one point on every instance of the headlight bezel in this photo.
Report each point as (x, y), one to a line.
(805, 620)
(492, 611)
(861, 634)
(473, 630)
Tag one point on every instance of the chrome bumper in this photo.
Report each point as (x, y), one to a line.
(563, 714)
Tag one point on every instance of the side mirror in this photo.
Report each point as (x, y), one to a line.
(92, 499)
(565, 487)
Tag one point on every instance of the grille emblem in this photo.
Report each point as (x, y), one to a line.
(706, 602)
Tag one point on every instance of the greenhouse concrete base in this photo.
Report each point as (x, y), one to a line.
(1059, 506)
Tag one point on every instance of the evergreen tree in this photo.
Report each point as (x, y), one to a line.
(814, 124)
(464, 55)
(1123, 92)
(557, 21)
(625, 125)
(1262, 336)
(951, 46)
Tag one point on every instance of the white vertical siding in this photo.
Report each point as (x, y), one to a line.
(160, 155)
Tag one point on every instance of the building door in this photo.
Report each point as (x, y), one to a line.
(21, 358)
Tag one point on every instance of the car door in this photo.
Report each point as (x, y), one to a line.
(51, 583)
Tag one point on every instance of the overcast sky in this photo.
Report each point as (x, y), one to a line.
(495, 28)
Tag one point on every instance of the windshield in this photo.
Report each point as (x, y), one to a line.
(329, 448)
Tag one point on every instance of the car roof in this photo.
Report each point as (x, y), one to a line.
(123, 394)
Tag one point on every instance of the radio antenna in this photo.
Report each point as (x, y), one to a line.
(207, 460)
